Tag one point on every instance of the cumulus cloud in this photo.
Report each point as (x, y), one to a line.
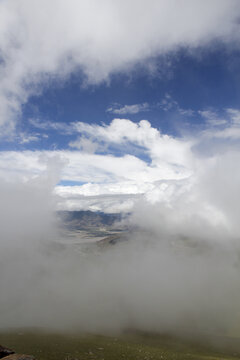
(121, 162)
(114, 175)
(146, 157)
(50, 40)
(159, 146)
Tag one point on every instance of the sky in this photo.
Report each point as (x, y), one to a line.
(128, 100)
(124, 106)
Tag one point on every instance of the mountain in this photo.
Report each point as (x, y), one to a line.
(84, 220)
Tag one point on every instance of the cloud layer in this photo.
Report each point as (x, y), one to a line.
(178, 273)
(115, 163)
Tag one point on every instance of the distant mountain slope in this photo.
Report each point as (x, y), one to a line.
(76, 220)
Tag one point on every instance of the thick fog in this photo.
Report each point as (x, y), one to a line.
(178, 272)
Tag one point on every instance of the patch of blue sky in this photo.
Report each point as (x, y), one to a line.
(71, 183)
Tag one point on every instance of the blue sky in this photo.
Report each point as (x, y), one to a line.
(173, 97)
(117, 98)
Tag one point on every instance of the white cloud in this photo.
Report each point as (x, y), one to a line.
(230, 132)
(222, 127)
(61, 127)
(169, 104)
(192, 235)
(112, 183)
(105, 174)
(212, 117)
(128, 109)
(25, 138)
(160, 147)
(52, 39)
(85, 145)
(186, 112)
(184, 226)
(80, 198)
(235, 115)
(166, 104)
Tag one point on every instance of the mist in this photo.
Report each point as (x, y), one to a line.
(177, 273)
